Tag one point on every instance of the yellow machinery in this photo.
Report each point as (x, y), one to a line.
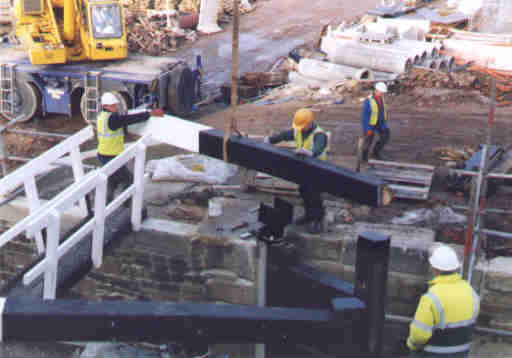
(63, 31)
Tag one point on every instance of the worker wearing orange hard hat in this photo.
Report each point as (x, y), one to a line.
(310, 141)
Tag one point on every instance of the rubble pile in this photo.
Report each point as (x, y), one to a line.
(151, 36)
(418, 77)
(452, 154)
(151, 32)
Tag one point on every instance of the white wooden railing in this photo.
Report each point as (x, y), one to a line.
(26, 175)
(48, 216)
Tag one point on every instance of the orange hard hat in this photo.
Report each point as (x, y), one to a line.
(302, 118)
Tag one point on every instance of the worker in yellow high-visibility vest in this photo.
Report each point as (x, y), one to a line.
(374, 120)
(446, 314)
(311, 141)
(110, 128)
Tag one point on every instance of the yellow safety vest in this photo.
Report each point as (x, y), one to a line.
(374, 118)
(109, 142)
(308, 142)
(444, 321)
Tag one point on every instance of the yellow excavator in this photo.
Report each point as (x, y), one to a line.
(63, 31)
(77, 50)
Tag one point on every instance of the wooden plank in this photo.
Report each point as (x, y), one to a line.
(383, 163)
(409, 192)
(403, 176)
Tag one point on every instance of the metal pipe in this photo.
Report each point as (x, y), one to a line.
(262, 282)
(474, 174)
(504, 235)
(498, 332)
(489, 210)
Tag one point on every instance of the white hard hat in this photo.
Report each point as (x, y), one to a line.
(108, 98)
(444, 258)
(381, 87)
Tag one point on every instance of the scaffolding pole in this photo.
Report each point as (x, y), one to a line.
(479, 196)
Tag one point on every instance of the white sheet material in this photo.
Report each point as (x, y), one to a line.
(469, 7)
(208, 17)
(171, 130)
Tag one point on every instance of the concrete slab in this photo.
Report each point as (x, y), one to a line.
(174, 228)
(18, 209)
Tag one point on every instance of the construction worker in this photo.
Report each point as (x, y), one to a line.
(311, 141)
(110, 125)
(446, 314)
(374, 119)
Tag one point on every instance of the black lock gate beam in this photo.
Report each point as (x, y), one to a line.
(327, 177)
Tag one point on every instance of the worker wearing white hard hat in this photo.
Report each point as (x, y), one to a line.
(446, 314)
(374, 120)
(110, 128)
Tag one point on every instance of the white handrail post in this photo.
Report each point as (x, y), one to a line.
(78, 173)
(100, 201)
(138, 180)
(52, 260)
(34, 202)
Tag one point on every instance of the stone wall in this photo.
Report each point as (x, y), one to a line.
(177, 263)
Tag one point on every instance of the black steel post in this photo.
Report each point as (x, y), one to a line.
(372, 259)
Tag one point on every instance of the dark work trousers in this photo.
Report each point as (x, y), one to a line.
(433, 355)
(313, 202)
(121, 177)
(384, 135)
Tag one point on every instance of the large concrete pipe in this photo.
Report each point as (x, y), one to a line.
(450, 61)
(352, 53)
(431, 47)
(407, 28)
(431, 63)
(304, 81)
(329, 71)
(422, 53)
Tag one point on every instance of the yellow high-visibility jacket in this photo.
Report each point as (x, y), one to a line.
(445, 317)
(374, 117)
(110, 142)
(307, 143)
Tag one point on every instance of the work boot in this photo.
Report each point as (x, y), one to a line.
(316, 227)
(379, 156)
(364, 156)
(304, 219)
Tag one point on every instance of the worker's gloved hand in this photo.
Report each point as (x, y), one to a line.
(305, 152)
(369, 133)
(266, 140)
(400, 349)
(158, 112)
